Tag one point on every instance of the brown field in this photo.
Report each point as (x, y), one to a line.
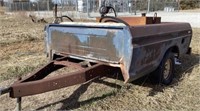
(22, 51)
(193, 10)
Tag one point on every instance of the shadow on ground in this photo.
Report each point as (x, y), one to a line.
(70, 103)
(188, 63)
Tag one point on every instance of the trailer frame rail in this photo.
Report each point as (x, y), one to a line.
(37, 82)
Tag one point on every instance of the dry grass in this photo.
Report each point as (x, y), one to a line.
(21, 51)
(193, 10)
(20, 42)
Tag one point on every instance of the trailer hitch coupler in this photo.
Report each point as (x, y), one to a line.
(4, 90)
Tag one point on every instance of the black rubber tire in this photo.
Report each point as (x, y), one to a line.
(158, 76)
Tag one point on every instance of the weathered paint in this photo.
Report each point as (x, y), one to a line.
(151, 42)
(136, 50)
(134, 21)
(98, 43)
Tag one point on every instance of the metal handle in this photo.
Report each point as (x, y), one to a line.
(154, 18)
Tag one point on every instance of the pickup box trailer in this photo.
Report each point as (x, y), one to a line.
(134, 46)
(137, 50)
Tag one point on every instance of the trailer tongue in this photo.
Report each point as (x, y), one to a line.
(37, 83)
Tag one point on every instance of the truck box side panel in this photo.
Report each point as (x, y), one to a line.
(150, 43)
(104, 44)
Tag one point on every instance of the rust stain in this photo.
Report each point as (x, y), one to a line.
(96, 46)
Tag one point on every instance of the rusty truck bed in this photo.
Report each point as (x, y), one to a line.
(137, 50)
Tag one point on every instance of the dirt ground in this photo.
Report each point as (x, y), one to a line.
(22, 51)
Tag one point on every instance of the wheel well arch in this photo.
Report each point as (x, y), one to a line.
(175, 50)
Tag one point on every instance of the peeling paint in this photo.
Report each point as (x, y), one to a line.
(136, 50)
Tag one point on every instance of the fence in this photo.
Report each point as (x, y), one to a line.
(93, 5)
(87, 7)
(28, 6)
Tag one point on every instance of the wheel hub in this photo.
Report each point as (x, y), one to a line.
(167, 68)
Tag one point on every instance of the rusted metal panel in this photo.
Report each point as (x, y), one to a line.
(136, 50)
(134, 21)
(151, 42)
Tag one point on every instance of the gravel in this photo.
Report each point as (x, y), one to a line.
(192, 17)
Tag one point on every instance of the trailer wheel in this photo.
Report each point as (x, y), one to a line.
(164, 74)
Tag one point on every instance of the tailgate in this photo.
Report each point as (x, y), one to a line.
(102, 42)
